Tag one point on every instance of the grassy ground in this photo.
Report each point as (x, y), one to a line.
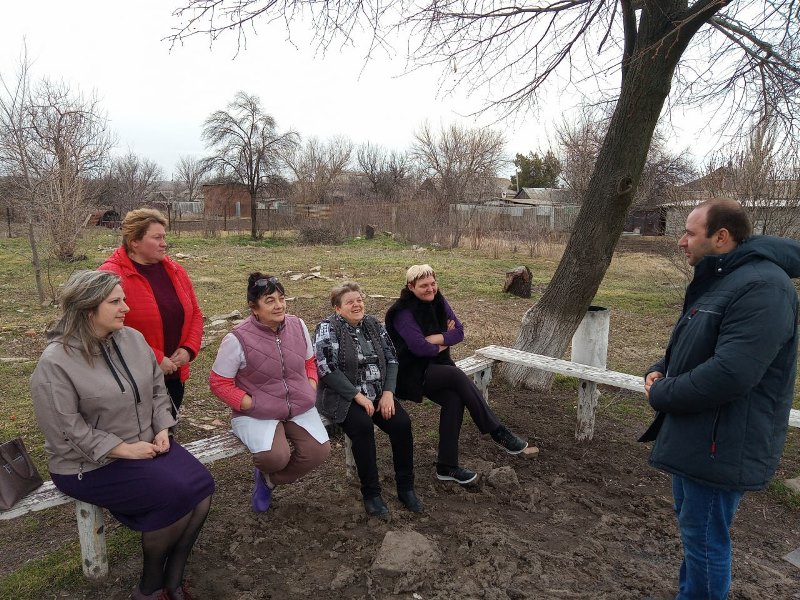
(642, 289)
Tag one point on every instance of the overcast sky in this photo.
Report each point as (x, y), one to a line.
(157, 98)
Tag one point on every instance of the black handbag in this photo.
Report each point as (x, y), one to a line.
(18, 474)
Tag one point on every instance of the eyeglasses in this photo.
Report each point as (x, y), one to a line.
(271, 283)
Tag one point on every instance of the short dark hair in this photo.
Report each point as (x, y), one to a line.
(723, 213)
(259, 284)
(339, 291)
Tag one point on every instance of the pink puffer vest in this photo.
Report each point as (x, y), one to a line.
(275, 375)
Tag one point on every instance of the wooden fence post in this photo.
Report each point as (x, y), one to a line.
(590, 347)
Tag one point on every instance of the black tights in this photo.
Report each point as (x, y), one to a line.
(166, 551)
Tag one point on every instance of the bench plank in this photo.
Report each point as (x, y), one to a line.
(564, 367)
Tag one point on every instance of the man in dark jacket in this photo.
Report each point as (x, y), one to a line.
(724, 389)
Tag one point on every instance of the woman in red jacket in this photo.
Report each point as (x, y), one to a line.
(163, 305)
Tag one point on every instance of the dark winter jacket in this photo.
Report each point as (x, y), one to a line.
(413, 353)
(730, 369)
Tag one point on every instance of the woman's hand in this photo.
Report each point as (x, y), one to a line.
(247, 402)
(135, 451)
(161, 441)
(437, 339)
(386, 405)
(167, 366)
(451, 324)
(180, 357)
(365, 403)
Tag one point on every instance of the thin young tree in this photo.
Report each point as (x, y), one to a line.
(54, 142)
(246, 147)
(736, 58)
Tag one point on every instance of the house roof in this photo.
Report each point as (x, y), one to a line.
(542, 196)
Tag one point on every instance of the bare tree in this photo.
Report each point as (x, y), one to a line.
(191, 176)
(246, 148)
(316, 166)
(736, 58)
(764, 177)
(132, 181)
(458, 160)
(53, 143)
(387, 172)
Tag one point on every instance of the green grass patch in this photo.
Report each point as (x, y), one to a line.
(60, 570)
(778, 490)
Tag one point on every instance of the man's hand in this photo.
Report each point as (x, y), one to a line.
(649, 380)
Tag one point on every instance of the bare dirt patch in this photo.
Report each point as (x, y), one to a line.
(580, 521)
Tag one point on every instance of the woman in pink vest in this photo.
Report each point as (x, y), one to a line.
(266, 372)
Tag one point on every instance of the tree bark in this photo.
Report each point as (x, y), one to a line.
(549, 325)
(253, 216)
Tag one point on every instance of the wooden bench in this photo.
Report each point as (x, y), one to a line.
(90, 518)
(582, 372)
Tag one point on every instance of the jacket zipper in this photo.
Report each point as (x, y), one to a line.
(713, 449)
(283, 377)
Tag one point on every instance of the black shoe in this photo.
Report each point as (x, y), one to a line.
(508, 441)
(376, 507)
(457, 474)
(410, 500)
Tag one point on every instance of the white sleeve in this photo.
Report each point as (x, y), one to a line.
(309, 346)
(230, 357)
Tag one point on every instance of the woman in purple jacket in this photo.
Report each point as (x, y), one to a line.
(422, 327)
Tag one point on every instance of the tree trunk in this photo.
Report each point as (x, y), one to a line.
(37, 267)
(253, 217)
(549, 325)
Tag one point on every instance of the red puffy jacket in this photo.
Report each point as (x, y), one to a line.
(144, 315)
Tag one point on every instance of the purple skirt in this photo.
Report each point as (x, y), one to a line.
(147, 494)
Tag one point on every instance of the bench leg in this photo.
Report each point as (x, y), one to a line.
(349, 459)
(482, 380)
(92, 534)
(587, 406)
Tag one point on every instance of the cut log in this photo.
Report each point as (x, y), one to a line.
(518, 282)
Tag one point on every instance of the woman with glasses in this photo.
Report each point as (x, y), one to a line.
(357, 377)
(266, 372)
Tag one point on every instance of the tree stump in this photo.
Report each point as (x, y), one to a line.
(369, 231)
(518, 282)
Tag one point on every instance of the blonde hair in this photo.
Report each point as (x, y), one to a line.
(137, 222)
(416, 272)
(79, 298)
(340, 290)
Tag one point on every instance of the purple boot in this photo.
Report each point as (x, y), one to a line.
(262, 493)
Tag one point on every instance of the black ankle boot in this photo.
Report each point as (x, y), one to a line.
(376, 507)
(410, 500)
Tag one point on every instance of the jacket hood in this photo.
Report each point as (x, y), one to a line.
(785, 253)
